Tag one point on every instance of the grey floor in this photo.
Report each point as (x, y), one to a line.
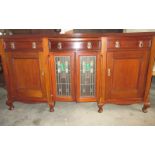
(72, 114)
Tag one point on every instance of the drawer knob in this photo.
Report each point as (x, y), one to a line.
(34, 45)
(117, 44)
(141, 44)
(12, 45)
(59, 45)
(89, 45)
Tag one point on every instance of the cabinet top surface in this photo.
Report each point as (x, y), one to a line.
(80, 35)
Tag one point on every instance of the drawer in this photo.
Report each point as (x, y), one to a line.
(75, 45)
(24, 45)
(128, 44)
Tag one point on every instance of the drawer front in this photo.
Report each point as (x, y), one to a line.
(128, 44)
(14, 45)
(74, 45)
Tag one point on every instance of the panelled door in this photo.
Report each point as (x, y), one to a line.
(87, 73)
(126, 75)
(27, 75)
(63, 76)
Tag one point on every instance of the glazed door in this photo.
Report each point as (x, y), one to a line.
(126, 75)
(27, 75)
(87, 76)
(62, 67)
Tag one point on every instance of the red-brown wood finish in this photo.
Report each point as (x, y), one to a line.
(24, 72)
(87, 98)
(73, 44)
(53, 75)
(126, 69)
(102, 79)
(149, 77)
(74, 48)
(48, 83)
(124, 65)
(27, 75)
(23, 45)
(126, 72)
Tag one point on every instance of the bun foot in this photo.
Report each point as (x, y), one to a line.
(51, 106)
(145, 109)
(10, 104)
(52, 109)
(11, 107)
(100, 110)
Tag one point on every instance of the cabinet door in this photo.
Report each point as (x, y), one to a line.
(87, 74)
(126, 75)
(27, 75)
(62, 67)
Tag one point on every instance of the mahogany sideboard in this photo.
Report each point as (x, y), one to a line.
(102, 68)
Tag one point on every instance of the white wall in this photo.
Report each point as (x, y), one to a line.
(139, 30)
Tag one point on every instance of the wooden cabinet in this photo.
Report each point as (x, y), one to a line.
(103, 68)
(126, 75)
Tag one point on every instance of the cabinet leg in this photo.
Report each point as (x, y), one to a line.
(100, 110)
(145, 107)
(10, 104)
(52, 107)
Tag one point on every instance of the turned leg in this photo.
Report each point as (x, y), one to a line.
(100, 110)
(145, 107)
(10, 104)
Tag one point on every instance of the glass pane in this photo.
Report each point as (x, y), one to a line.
(87, 76)
(63, 74)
